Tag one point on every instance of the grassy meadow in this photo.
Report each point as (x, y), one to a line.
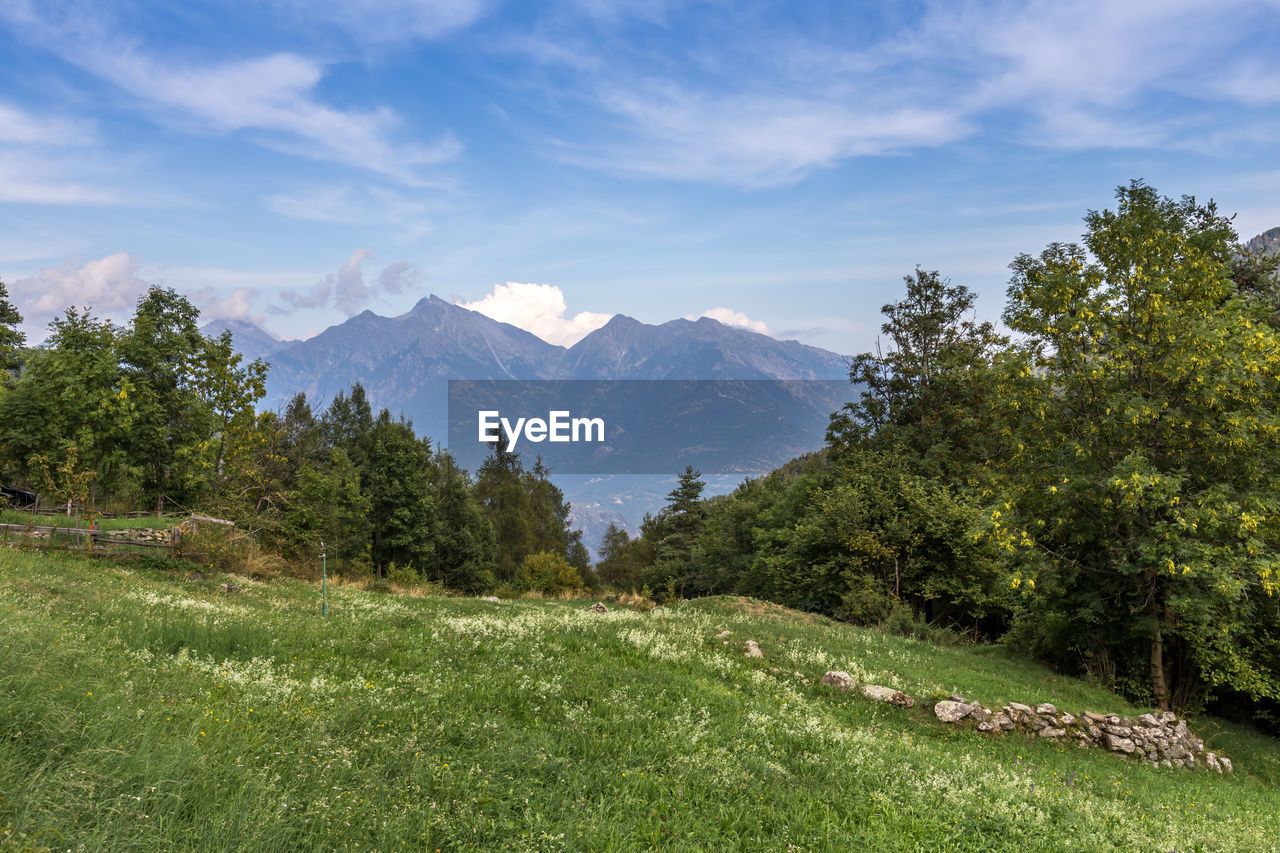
(141, 711)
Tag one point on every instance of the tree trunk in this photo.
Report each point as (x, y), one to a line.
(1159, 686)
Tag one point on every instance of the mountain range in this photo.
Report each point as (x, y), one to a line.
(405, 363)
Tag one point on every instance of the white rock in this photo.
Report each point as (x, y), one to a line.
(838, 679)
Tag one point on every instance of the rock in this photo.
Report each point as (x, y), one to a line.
(1211, 762)
(1226, 763)
(1094, 718)
(1094, 732)
(1050, 731)
(888, 694)
(598, 607)
(1168, 717)
(195, 576)
(491, 598)
(979, 713)
(1181, 730)
(1039, 723)
(950, 712)
(1067, 719)
(1150, 721)
(989, 726)
(1118, 744)
(1046, 708)
(838, 679)
(957, 698)
(753, 650)
(229, 587)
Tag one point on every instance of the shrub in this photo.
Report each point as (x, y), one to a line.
(548, 573)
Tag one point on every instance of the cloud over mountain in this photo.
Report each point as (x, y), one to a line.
(540, 309)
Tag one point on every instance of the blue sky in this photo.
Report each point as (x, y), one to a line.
(782, 165)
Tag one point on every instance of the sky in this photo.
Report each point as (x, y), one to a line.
(778, 166)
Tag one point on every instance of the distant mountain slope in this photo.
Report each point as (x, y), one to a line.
(625, 348)
(1267, 241)
(248, 339)
(405, 362)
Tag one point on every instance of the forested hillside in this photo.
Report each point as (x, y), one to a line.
(1096, 488)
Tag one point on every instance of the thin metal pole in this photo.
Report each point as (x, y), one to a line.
(324, 581)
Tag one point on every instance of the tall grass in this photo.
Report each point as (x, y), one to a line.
(139, 711)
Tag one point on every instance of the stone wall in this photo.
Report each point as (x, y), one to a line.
(1158, 739)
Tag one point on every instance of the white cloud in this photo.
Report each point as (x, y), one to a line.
(770, 100)
(540, 309)
(270, 99)
(20, 126)
(238, 305)
(733, 318)
(757, 141)
(41, 180)
(390, 20)
(344, 204)
(347, 289)
(106, 285)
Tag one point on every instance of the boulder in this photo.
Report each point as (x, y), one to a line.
(598, 607)
(950, 711)
(229, 587)
(1118, 744)
(888, 694)
(979, 713)
(1046, 708)
(839, 679)
(1050, 731)
(753, 650)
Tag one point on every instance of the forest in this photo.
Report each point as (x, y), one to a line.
(1094, 484)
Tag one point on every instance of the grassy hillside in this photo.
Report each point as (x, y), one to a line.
(139, 711)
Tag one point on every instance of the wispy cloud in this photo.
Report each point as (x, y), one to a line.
(270, 99)
(766, 103)
(21, 126)
(345, 204)
(347, 289)
(384, 21)
(33, 179)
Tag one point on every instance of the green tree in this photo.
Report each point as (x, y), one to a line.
(464, 554)
(678, 527)
(1141, 420)
(11, 338)
(928, 392)
(71, 392)
(160, 354)
(401, 509)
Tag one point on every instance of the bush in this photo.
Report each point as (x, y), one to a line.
(548, 573)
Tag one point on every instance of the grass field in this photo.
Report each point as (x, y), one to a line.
(13, 516)
(139, 711)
